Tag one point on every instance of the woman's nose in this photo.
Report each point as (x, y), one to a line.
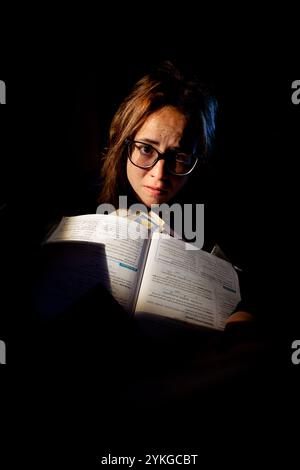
(159, 170)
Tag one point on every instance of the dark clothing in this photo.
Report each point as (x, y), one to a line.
(103, 384)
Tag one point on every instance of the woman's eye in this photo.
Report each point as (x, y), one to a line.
(182, 158)
(146, 150)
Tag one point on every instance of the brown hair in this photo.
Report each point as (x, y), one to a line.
(166, 86)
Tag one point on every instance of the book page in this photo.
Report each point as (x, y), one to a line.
(117, 248)
(191, 286)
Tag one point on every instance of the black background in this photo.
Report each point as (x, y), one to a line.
(63, 86)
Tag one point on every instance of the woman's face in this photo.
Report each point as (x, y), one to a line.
(164, 130)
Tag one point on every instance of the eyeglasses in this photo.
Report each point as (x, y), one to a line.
(144, 155)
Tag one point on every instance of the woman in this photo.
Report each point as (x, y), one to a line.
(169, 115)
(159, 142)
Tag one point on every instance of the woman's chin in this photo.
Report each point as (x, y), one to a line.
(149, 199)
(154, 200)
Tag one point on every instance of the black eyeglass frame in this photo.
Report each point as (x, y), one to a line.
(161, 156)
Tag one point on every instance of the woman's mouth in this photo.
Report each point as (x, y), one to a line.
(155, 191)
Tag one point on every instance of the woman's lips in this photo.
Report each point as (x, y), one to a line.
(155, 191)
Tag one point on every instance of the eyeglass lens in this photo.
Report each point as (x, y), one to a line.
(144, 155)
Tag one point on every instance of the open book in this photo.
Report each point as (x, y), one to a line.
(148, 275)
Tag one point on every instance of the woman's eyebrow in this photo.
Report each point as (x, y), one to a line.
(155, 142)
(148, 141)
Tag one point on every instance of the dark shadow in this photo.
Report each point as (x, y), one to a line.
(68, 271)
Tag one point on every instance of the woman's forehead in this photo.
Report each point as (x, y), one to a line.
(164, 123)
(168, 125)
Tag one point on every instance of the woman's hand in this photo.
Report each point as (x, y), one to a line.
(240, 316)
